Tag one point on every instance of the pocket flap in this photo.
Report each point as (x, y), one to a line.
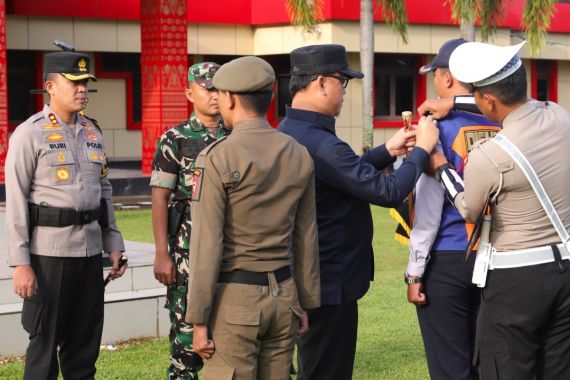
(241, 315)
(231, 178)
(506, 166)
(297, 310)
(95, 155)
(60, 157)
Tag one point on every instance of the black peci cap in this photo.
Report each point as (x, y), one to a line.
(73, 66)
(321, 59)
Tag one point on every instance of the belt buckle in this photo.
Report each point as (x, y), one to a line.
(84, 216)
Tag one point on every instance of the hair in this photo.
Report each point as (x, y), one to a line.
(298, 83)
(510, 90)
(49, 76)
(257, 102)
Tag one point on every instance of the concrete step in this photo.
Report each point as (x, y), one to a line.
(127, 315)
(139, 274)
(134, 304)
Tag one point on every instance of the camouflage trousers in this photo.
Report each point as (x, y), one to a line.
(184, 363)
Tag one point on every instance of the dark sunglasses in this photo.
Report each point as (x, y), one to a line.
(343, 80)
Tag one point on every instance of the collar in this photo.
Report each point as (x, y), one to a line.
(312, 117)
(54, 120)
(196, 125)
(255, 123)
(519, 113)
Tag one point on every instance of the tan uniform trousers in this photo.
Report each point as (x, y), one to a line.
(254, 329)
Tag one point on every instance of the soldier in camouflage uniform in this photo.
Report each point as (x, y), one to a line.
(172, 174)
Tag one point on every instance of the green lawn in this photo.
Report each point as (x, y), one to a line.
(389, 342)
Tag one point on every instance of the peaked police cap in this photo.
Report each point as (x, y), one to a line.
(73, 66)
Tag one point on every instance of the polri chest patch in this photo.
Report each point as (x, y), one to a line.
(94, 145)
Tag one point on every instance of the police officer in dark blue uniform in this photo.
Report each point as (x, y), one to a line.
(346, 184)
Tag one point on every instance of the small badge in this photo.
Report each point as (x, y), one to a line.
(94, 145)
(54, 137)
(53, 119)
(92, 136)
(197, 183)
(89, 128)
(82, 65)
(82, 120)
(62, 174)
(60, 157)
(95, 156)
(51, 127)
(104, 171)
(57, 146)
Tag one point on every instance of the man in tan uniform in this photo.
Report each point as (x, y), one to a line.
(523, 329)
(58, 202)
(253, 252)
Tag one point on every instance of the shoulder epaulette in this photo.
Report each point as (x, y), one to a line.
(94, 121)
(38, 118)
(209, 147)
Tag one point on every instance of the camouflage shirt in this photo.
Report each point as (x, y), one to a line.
(174, 159)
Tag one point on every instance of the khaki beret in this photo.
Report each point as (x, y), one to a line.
(245, 74)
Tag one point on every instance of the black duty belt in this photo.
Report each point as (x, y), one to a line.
(60, 217)
(239, 276)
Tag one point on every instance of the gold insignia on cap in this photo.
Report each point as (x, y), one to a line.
(62, 174)
(82, 64)
(55, 137)
(61, 157)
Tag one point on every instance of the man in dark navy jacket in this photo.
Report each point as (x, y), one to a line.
(346, 184)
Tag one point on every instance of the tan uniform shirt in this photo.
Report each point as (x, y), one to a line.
(253, 208)
(541, 130)
(50, 163)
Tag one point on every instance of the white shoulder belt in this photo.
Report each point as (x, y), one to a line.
(532, 178)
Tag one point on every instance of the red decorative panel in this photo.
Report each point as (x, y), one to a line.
(3, 91)
(163, 69)
(263, 12)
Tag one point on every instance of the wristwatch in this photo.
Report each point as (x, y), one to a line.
(412, 280)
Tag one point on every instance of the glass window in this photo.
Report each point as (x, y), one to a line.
(383, 96)
(283, 94)
(126, 63)
(542, 86)
(21, 79)
(394, 84)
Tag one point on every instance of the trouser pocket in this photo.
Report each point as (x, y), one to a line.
(34, 314)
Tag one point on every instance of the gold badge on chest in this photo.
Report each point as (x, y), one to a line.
(62, 174)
